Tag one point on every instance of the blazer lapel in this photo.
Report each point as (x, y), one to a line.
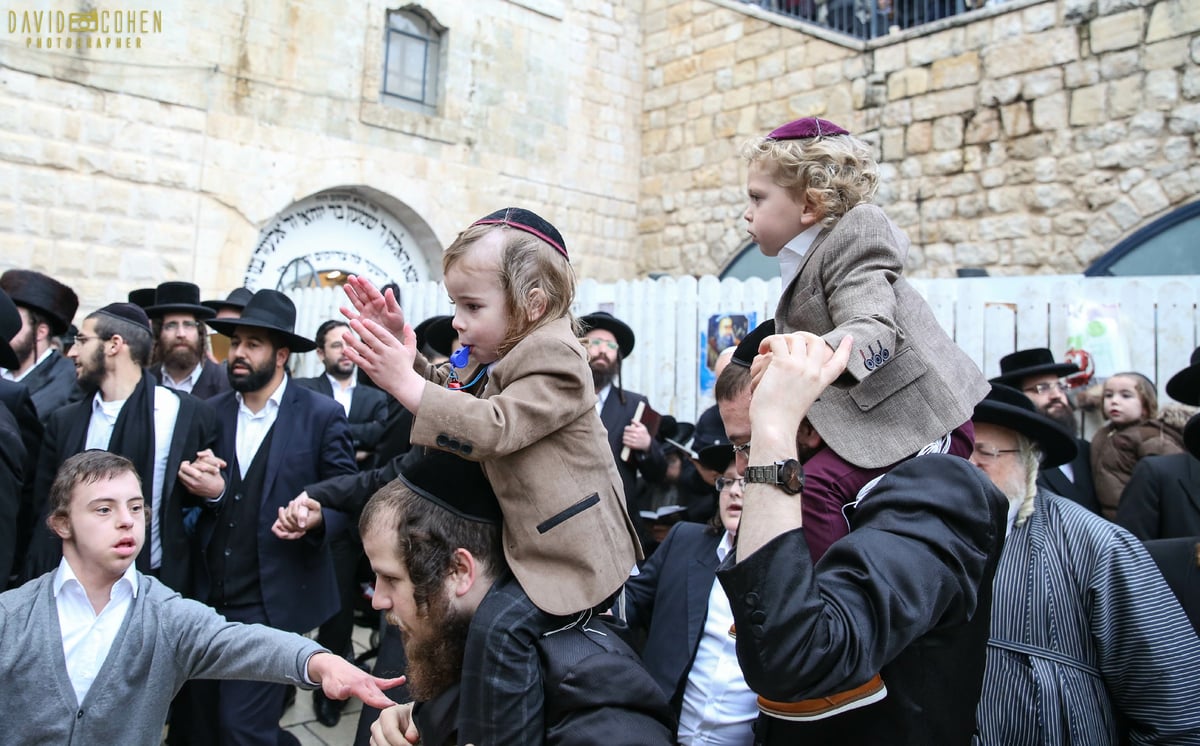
(1190, 484)
(701, 572)
(183, 426)
(281, 438)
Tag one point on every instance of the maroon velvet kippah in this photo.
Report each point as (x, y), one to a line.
(127, 312)
(528, 221)
(808, 127)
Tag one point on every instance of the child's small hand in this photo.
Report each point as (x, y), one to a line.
(369, 303)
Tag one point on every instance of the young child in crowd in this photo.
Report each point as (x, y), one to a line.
(93, 652)
(1134, 430)
(533, 426)
(908, 388)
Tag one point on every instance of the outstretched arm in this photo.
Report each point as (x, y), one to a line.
(341, 679)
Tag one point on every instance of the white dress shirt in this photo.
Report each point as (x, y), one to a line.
(189, 381)
(602, 396)
(166, 413)
(344, 396)
(793, 253)
(252, 427)
(87, 637)
(8, 375)
(718, 706)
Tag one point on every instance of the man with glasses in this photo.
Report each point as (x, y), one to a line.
(1039, 376)
(609, 341)
(1088, 644)
(182, 340)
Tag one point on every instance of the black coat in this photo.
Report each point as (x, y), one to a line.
(1162, 499)
(368, 414)
(15, 398)
(651, 464)
(12, 467)
(52, 384)
(906, 594)
(1081, 490)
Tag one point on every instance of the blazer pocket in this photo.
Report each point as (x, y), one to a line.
(554, 520)
(889, 378)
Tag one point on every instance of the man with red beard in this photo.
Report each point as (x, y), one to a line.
(182, 339)
(168, 436)
(433, 538)
(1039, 376)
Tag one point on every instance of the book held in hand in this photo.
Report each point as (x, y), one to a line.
(648, 417)
(667, 514)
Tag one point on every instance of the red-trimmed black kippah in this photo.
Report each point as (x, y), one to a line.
(806, 128)
(127, 312)
(528, 221)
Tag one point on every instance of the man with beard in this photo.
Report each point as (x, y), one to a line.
(276, 437)
(168, 436)
(366, 408)
(1036, 374)
(609, 341)
(178, 320)
(433, 538)
(46, 307)
(1088, 644)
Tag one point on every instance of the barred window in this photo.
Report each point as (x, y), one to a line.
(413, 60)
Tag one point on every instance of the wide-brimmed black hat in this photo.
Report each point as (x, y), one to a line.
(10, 325)
(237, 300)
(1008, 407)
(453, 483)
(674, 434)
(178, 297)
(268, 309)
(613, 325)
(41, 293)
(1016, 366)
(438, 333)
(142, 297)
(748, 347)
(1184, 386)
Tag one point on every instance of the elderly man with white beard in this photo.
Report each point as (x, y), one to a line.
(1088, 644)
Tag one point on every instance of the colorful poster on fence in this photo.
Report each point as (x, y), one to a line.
(1096, 329)
(722, 330)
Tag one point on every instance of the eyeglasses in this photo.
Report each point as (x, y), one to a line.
(990, 453)
(743, 448)
(174, 326)
(601, 343)
(1046, 388)
(724, 483)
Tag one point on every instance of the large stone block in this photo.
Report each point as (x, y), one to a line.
(907, 83)
(1031, 52)
(1171, 18)
(953, 72)
(1118, 31)
(1088, 105)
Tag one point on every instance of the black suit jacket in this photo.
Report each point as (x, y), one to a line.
(368, 413)
(213, 380)
(1081, 490)
(311, 442)
(52, 384)
(1162, 498)
(906, 594)
(195, 430)
(651, 464)
(668, 599)
(12, 476)
(15, 398)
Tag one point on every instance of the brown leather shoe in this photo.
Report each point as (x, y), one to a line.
(823, 707)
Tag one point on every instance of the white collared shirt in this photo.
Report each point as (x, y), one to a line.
(792, 253)
(602, 396)
(8, 375)
(87, 637)
(718, 706)
(344, 396)
(166, 413)
(252, 427)
(189, 381)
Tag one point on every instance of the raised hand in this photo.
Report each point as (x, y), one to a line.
(368, 303)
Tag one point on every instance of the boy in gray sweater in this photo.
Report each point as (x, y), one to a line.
(94, 652)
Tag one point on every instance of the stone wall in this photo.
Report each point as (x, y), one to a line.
(1026, 137)
(121, 168)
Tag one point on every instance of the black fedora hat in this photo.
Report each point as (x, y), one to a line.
(41, 293)
(1008, 407)
(453, 483)
(1184, 386)
(143, 298)
(748, 347)
(673, 433)
(619, 329)
(1016, 366)
(10, 325)
(178, 297)
(268, 309)
(438, 333)
(237, 300)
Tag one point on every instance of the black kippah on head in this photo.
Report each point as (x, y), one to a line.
(528, 221)
(455, 484)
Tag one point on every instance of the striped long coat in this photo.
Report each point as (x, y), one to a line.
(1083, 628)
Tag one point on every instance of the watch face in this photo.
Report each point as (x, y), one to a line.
(791, 476)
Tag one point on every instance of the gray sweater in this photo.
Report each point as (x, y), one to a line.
(164, 641)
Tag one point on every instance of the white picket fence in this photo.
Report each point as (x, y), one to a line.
(1147, 324)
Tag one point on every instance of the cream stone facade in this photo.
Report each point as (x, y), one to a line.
(1028, 137)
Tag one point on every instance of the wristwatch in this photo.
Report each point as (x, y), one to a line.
(787, 475)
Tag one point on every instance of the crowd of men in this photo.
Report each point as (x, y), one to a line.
(947, 600)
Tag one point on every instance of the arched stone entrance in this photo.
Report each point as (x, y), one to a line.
(320, 239)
